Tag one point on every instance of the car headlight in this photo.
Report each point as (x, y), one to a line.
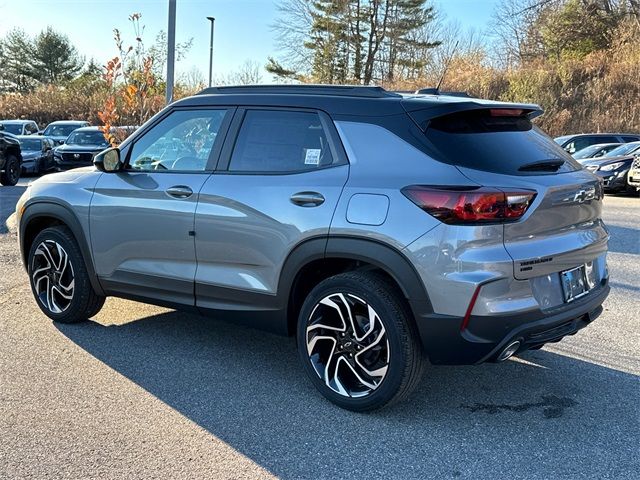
(611, 166)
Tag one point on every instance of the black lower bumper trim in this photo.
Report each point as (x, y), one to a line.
(486, 337)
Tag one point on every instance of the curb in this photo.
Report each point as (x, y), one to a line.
(12, 223)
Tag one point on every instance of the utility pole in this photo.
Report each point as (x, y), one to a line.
(213, 22)
(171, 49)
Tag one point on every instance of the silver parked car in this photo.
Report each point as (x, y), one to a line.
(378, 228)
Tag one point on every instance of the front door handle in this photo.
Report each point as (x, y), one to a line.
(179, 191)
(307, 199)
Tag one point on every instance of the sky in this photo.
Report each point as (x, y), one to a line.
(242, 27)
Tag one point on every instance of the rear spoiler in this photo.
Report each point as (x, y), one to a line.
(422, 112)
(435, 91)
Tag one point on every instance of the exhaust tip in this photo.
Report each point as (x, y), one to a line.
(509, 351)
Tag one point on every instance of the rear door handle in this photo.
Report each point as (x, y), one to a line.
(307, 199)
(179, 191)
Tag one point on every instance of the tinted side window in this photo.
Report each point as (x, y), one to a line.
(280, 141)
(181, 142)
(630, 139)
(583, 142)
(596, 140)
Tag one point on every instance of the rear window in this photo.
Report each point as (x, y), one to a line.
(499, 141)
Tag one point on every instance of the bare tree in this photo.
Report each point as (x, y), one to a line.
(510, 27)
(249, 73)
(192, 80)
(293, 31)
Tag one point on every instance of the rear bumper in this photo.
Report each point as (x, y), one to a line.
(486, 336)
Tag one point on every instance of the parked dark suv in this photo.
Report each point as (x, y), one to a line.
(376, 227)
(10, 158)
(79, 148)
(37, 153)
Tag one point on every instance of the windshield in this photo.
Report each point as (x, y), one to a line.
(60, 130)
(623, 149)
(587, 152)
(31, 144)
(14, 128)
(594, 151)
(86, 138)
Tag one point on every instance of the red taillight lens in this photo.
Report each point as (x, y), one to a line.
(481, 205)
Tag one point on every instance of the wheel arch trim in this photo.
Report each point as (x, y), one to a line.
(62, 213)
(370, 251)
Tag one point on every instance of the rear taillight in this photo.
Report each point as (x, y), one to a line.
(471, 206)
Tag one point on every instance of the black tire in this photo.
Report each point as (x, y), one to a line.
(82, 301)
(11, 174)
(403, 350)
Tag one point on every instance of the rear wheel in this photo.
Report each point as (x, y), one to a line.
(11, 173)
(59, 279)
(357, 342)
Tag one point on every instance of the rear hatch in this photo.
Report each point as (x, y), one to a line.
(496, 145)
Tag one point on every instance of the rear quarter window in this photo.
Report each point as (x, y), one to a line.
(491, 141)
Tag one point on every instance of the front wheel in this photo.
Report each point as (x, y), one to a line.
(358, 343)
(11, 173)
(59, 279)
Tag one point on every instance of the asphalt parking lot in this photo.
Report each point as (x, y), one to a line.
(146, 392)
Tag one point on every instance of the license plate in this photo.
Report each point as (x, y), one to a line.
(574, 283)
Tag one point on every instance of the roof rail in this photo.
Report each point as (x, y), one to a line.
(303, 89)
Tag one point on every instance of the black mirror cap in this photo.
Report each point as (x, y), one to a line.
(108, 160)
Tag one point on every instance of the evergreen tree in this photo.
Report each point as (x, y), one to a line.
(16, 69)
(405, 50)
(329, 41)
(53, 58)
(359, 41)
(49, 58)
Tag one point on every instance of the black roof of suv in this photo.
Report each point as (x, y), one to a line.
(348, 100)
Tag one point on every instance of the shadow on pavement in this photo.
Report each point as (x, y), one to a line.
(549, 415)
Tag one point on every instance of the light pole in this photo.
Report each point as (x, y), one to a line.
(171, 49)
(213, 22)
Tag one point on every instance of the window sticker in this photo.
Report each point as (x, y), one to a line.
(312, 156)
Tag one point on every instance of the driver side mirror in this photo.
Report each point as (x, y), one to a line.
(108, 161)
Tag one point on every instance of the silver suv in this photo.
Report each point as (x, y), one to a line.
(380, 229)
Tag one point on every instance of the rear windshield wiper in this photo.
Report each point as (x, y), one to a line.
(552, 165)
